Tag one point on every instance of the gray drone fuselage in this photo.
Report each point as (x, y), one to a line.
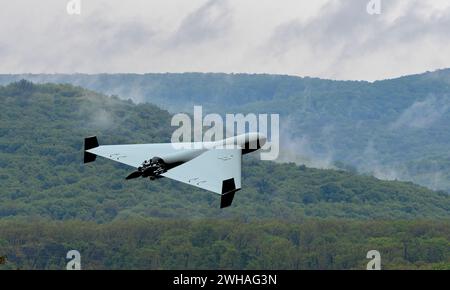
(248, 143)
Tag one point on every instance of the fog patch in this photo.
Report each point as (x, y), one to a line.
(102, 120)
(95, 113)
(300, 149)
(422, 114)
(370, 163)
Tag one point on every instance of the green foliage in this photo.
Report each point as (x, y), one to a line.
(41, 172)
(229, 244)
(394, 129)
(51, 203)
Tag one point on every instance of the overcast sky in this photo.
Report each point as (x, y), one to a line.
(321, 38)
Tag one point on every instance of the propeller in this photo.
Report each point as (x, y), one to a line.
(135, 174)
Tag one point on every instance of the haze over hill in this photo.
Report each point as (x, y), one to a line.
(392, 129)
(285, 217)
(42, 131)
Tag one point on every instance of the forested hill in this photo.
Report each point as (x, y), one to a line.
(41, 172)
(392, 129)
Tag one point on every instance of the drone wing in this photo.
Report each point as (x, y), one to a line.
(132, 155)
(216, 170)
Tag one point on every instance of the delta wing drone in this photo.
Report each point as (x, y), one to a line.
(214, 166)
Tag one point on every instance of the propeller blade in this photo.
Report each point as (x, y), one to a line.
(135, 174)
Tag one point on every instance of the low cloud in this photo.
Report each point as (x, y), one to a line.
(301, 149)
(325, 38)
(422, 114)
(207, 23)
(344, 40)
(102, 120)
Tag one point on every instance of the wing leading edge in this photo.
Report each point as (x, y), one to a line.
(132, 155)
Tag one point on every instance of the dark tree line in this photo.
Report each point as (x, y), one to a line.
(229, 244)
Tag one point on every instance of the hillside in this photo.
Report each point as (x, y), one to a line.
(392, 129)
(286, 217)
(42, 175)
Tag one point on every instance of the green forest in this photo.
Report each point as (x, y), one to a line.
(392, 129)
(287, 216)
(225, 244)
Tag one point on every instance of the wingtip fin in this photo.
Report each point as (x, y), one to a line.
(90, 143)
(228, 191)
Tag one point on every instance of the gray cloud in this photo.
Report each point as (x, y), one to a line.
(210, 21)
(344, 32)
(338, 23)
(323, 38)
(124, 37)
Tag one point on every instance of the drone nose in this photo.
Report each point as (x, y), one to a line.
(261, 139)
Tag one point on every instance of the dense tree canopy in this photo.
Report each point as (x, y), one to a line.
(42, 131)
(285, 217)
(229, 244)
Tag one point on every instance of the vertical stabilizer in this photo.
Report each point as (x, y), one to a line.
(89, 143)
